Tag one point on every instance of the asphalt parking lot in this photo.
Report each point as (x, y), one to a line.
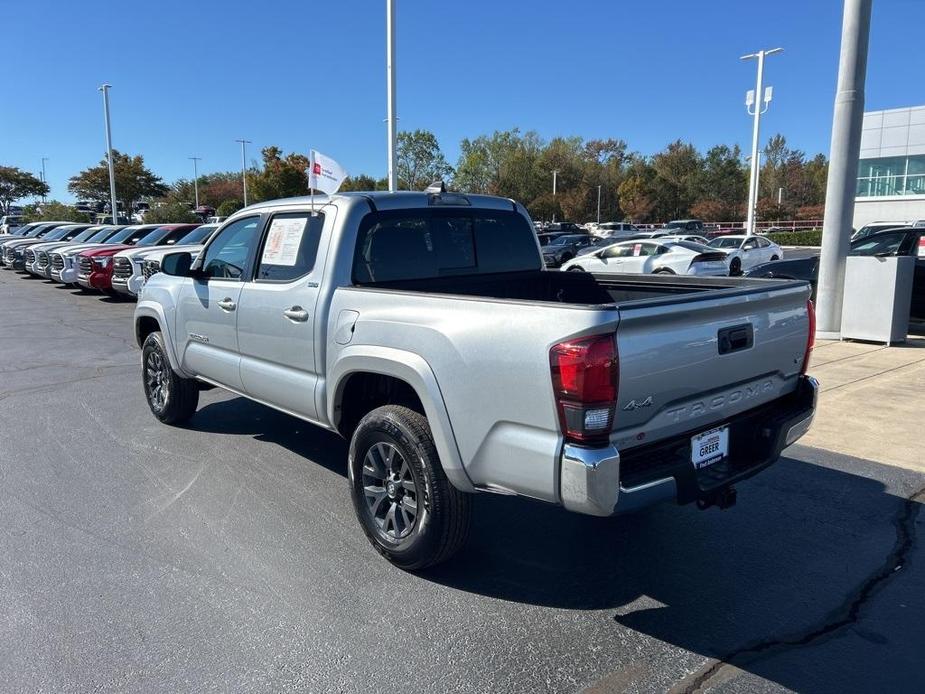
(224, 556)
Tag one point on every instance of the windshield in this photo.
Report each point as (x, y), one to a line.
(563, 240)
(124, 234)
(57, 234)
(101, 234)
(199, 234)
(676, 225)
(162, 237)
(36, 231)
(725, 243)
(85, 234)
(881, 244)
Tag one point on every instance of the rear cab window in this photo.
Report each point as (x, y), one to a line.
(428, 243)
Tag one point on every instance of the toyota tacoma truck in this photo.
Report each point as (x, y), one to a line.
(424, 329)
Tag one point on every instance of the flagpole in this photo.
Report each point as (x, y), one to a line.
(311, 171)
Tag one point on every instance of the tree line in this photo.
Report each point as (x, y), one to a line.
(676, 182)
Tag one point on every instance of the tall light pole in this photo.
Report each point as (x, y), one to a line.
(752, 99)
(390, 81)
(598, 204)
(555, 174)
(44, 177)
(841, 185)
(112, 172)
(244, 167)
(196, 160)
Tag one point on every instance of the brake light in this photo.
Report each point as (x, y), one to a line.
(585, 379)
(811, 337)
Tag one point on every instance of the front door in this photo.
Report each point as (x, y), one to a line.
(276, 317)
(207, 308)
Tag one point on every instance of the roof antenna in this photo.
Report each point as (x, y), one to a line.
(436, 188)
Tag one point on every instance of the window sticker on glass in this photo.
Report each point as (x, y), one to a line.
(283, 241)
(922, 246)
(637, 249)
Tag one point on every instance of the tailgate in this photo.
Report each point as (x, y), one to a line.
(695, 360)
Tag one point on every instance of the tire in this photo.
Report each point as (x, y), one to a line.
(735, 267)
(774, 257)
(406, 506)
(172, 398)
(576, 268)
(664, 271)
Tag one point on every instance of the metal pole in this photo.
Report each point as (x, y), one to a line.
(756, 133)
(244, 167)
(847, 119)
(196, 160)
(555, 173)
(112, 175)
(44, 177)
(390, 80)
(598, 204)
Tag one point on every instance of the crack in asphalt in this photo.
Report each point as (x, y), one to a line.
(846, 614)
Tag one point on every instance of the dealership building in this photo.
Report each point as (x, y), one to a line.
(891, 170)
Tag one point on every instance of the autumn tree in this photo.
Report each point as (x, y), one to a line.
(419, 160)
(134, 181)
(280, 177)
(16, 184)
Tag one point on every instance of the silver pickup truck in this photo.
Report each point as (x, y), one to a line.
(424, 329)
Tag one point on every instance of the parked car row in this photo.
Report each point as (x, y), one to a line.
(656, 252)
(108, 258)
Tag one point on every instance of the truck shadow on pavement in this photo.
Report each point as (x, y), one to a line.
(801, 559)
(240, 416)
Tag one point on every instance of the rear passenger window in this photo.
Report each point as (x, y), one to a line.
(290, 246)
(419, 244)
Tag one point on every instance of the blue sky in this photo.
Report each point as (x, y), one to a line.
(191, 77)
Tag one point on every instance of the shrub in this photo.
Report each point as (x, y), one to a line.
(174, 213)
(810, 237)
(228, 208)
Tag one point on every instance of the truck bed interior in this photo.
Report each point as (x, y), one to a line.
(568, 287)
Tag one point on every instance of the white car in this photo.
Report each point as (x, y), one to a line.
(696, 238)
(656, 257)
(745, 252)
(128, 266)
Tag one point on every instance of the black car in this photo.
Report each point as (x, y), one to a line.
(547, 238)
(564, 248)
(564, 227)
(895, 242)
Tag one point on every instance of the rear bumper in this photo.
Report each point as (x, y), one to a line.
(602, 481)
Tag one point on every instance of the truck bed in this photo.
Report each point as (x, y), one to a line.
(579, 288)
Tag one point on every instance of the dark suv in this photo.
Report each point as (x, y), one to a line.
(564, 248)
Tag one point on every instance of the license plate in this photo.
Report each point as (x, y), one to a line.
(709, 447)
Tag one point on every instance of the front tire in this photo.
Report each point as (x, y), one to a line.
(575, 268)
(774, 257)
(172, 398)
(406, 506)
(735, 267)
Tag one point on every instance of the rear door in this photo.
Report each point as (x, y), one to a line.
(276, 317)
(206, 328)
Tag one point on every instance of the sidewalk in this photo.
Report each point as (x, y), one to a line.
(872, 403)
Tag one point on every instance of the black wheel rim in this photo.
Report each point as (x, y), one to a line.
(157, 380)
(390, 491)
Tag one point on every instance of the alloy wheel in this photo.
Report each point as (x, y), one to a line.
(390, 491)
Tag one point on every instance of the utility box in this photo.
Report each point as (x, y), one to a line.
(878, 297)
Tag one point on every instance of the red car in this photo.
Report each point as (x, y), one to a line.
(95, 265)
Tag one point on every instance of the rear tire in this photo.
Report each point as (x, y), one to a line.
(172, 398)
(735, 267)
(774, 257)
(664, 271)
(406, 506)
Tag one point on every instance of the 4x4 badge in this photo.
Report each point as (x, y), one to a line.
(634, 405)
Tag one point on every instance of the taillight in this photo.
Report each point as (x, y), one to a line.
(585, 378)
(811, 337)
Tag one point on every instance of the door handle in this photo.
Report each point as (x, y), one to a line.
(227, 304)
(296, 313)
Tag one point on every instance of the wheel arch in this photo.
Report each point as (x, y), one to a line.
(384, 375)
(149, 317)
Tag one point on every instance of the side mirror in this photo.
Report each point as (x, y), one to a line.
(177, 264)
